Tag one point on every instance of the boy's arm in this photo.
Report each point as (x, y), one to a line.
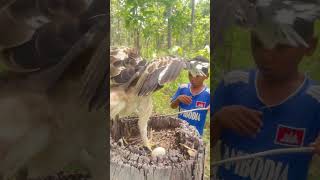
(217, 101)
(175, 103)
(174, 99)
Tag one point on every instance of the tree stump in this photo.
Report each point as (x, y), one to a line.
(184, 158)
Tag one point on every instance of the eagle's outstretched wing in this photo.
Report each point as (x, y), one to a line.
(124, 63)
(272, 21)
(282, 19)
(130, 71)
(163, 70)
(95, 83)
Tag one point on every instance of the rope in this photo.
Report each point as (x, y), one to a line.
(181, 112)
(265, 153)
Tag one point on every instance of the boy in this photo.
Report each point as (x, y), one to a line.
(193, 95)
(272, 107)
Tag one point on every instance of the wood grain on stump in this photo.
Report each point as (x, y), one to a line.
(184, 158)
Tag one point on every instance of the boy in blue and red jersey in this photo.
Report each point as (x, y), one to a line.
(194, 95)
(273, 106)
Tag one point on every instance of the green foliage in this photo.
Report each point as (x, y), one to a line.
(145, 23)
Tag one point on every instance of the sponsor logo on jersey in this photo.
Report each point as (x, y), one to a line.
(289, 136)
(193, 115)
(258, 168)
(201, 104)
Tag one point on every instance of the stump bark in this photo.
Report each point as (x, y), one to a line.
(184, 158)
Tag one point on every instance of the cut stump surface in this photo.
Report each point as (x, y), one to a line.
(184, 158)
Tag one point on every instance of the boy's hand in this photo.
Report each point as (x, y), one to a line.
(240, 119)
(185, 99)
(316, 146)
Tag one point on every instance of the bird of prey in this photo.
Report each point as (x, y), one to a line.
(133, 80)
(54, 115)
(271, 20)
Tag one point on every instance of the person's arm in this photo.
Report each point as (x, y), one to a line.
(174, 99)
(181, 99)
(226, 115)
(217, 101)
(174, 103)
(178, 98)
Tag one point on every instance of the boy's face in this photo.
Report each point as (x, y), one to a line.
(197, 81)
(280, 61)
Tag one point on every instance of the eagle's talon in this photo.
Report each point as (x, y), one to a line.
(125, 141)
(149, 146)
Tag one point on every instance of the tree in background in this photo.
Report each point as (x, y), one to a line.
(162, 27)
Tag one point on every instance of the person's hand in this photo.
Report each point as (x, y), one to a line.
(185, 99)
(240, 119)
(316, 145)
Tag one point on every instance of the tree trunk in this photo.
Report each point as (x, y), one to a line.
(129, 36)
(192, 22)
(137, 41)
(169, 36)
(119, 42)
(131, 161)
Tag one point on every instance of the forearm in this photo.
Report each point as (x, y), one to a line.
(174, 104)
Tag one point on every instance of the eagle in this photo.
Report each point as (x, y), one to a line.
(133, 80)
(273, 21)
(54, 110)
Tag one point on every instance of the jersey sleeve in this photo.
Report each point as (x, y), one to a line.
(314, 92)
(222, 95)
(219, 98)
(209, 98)
(178, 92)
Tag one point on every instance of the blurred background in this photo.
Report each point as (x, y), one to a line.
(236, 54)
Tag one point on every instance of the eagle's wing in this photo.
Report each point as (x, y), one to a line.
(163, 70)
(47, 78)
(125, 66)
(95, 83)
(271, 20)
(278, 19)
(129, 70)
